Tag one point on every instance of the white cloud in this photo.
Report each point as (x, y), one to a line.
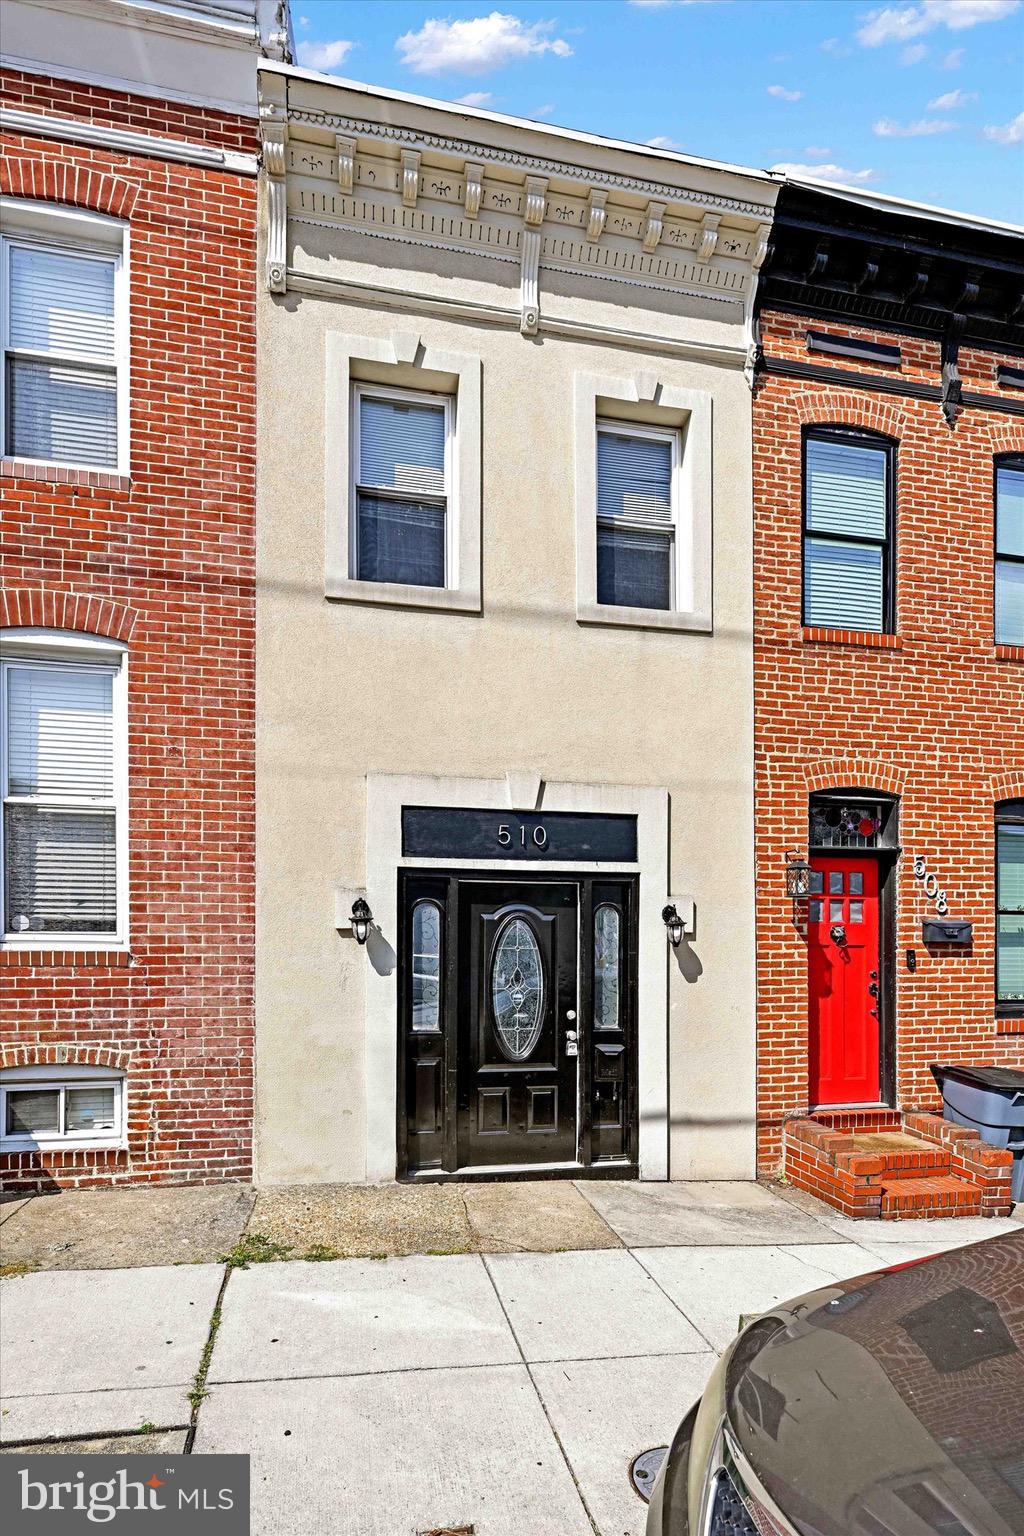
(324, 55)
(954, 58)
(474, 99)
(837, 49)
(816, 152)
(1008, 133)
(922, 128)
(950, 100)
(914, 54)
(660, 141)
(783, 95)
(898, 24)
(544, 111)
(476, 46)
(303, 21)
(825, 172)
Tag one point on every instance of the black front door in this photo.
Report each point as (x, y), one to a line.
(518, 1046)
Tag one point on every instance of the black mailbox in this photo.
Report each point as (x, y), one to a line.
(610, 1062)
(947, 930)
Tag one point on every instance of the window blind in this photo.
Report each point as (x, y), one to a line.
(60, 870)
(62, 303)
(60, 733)
(62, 405)
(401, 446)
(846, 490)
(1010, 919)
(1010, 511)
(843, 585)
(634, 479)
(90, 1109)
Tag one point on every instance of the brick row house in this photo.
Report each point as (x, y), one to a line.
(129, 208)
(889, 693)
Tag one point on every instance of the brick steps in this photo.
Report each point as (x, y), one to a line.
(929, 1197)
(918, 1166)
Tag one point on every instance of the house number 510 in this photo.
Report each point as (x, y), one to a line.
(931, 885)
(537, 835)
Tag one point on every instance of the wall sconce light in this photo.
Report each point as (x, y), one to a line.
(673, 923)
(798, 876)
(362, 917)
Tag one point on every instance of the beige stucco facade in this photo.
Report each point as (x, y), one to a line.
(513, 692)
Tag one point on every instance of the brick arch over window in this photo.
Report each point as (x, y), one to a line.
(65, 1056)
(72, 185)
(844, 408)
(41, 607)
(1008, 786)
(1006, 437)
(862, 773)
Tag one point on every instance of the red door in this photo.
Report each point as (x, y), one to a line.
(843, 980)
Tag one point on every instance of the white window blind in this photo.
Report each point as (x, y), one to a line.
(635, 519)
(1009, 565)
(846, 535)
(1010, 912)
(401, 499)
(60, 816)
(61, 381)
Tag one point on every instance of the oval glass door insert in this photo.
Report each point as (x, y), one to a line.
(517, 989)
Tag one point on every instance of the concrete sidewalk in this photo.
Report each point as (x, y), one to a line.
(505, 1391)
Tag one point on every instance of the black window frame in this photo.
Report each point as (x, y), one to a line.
(864, 439)
(1002, 461)
(1007, 813)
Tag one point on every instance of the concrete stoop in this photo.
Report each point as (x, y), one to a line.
(903, 1165)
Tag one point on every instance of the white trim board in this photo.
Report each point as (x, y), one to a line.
(124, 141)
(386, 794)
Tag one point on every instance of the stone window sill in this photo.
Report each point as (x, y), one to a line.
(643, 618)
(867, 639)
(63, 474)
(54, 959)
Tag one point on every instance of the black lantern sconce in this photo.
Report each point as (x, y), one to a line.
(673, 923)
(362, 917)
(798, 876)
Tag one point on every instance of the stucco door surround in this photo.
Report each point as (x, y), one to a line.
(386, 794)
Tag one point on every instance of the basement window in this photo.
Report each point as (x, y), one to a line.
(43, 1107)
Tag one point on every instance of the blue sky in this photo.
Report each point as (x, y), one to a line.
(923, 100)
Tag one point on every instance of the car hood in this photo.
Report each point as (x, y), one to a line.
(892, 1405)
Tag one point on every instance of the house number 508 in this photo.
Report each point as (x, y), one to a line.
(931, 885)
(537, 835)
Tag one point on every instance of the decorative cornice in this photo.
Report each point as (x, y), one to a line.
(596, 214)
(708, 237)
(474, 191)
(650, 234)
(536, 201)
(71, 131)
(345, 149)
(464, 148)
(410, 177)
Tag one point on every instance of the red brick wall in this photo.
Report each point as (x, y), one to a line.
(934, 714)
(166, 559)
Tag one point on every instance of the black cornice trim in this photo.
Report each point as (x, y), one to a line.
(911, 388)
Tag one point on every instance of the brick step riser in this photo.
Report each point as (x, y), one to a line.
(916, 1166)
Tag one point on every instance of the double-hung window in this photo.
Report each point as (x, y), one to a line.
(63, 782)
(1010, 908)
(64, 337)
(637, 495)
(1009, 570)
(848, 562)
(401, 504)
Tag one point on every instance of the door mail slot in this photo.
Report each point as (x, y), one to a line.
(611, 1060)
(947, 931)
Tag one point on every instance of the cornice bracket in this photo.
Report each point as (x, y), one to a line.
(708, 236)
(274, 138)
(596, 214)
(650, 234)
(474, 191)
(535, 201)
(761, 242)
(345, 149)
(952, 384)
(410, 177)
(529, 283)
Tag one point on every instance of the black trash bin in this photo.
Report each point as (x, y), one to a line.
(991, 1101)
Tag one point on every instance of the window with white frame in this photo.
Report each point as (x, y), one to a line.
(400, 529)
(637, 503)
(63, 390)
(64, 791)
(44, 1106)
